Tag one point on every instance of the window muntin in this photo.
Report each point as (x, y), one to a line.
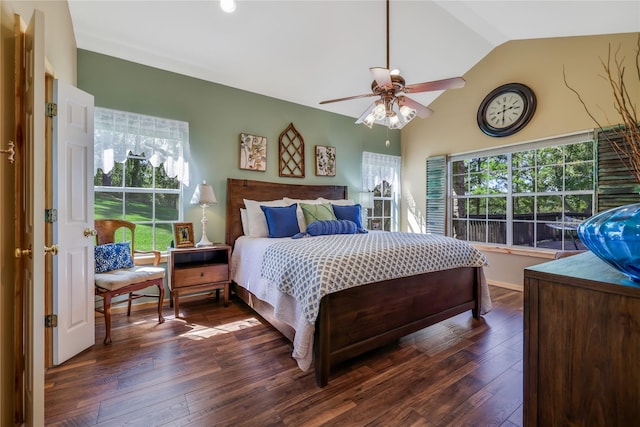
(381, 216)
(530, 197)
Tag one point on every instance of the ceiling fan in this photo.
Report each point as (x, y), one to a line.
(394, 108)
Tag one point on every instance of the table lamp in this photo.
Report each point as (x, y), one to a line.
(204, 196)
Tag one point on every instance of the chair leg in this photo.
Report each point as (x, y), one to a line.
(107, 317)
(160, 302)
(129, 304)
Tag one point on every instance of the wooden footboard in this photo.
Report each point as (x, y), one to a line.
(363, 318)
(360, 319)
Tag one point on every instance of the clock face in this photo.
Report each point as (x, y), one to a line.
(506, 110)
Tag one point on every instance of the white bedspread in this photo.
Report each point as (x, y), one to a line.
(298, 269)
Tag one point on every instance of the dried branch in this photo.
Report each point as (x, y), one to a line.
(629, 149)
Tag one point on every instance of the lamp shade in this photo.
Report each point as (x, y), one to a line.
(204, 195)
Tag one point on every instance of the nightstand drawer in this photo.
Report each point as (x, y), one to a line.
(200, 275)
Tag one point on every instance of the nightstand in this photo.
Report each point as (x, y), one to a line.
(196, 270)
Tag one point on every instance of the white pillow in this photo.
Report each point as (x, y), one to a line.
(257, 222)
(302, 224)
(339, 202)
(245, 221)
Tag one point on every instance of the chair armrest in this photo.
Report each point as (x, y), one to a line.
(156, 255)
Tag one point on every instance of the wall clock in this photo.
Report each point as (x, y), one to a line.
(506, 109)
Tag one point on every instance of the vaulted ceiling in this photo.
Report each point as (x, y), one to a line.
(308, 51)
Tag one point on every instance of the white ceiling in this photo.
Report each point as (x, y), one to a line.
(309, 51)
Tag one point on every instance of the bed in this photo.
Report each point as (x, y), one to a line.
(361, 318)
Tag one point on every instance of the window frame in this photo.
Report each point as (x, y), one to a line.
(122, 137)
(153, 190)
(508, 150)
(378, 168)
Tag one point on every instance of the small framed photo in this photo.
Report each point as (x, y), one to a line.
(183, 234)
(376, 224)
(325, 160)
(253, 152)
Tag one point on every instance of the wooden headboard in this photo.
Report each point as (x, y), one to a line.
(240, 189)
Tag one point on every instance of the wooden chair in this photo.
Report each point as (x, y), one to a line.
(125, 280)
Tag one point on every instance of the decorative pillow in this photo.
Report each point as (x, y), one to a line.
(281, 221)
(245, 221)
(113, 256)
(324, 227)
(255, 217)
(301, 222)
(341, 202)
(352, 213)
(317, 212)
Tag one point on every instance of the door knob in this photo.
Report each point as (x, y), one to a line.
(22, 252)
(53, 250)
(88, 232)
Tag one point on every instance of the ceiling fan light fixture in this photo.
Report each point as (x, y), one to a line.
(379, 111)
(407, 113)
(369, 120)
(394, 121)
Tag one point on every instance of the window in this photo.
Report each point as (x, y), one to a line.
(531, 194)
(381, 176)
(140, 170)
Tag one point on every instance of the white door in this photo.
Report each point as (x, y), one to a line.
(32, 212)
(73, 269)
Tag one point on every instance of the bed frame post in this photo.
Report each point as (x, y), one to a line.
(477, 292)
(322, 340)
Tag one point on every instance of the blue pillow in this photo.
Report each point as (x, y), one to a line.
(113, 256)
(334, 226)
(281, 221)
(349, 212)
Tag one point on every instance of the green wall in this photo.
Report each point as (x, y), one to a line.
(217, 115)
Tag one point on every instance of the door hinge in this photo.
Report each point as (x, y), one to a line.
(51, 321)
(50, 215)
(51, 109)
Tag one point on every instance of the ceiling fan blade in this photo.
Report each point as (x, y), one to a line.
(382, 76)
(348, 98)
(452, 83)
(422, 111)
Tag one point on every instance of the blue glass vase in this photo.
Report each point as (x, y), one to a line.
(614, 236)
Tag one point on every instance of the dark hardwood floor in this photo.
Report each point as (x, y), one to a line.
(227, 367)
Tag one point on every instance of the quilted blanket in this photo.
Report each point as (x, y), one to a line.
(312, 267)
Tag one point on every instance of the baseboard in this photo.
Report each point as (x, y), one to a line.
(505, 285)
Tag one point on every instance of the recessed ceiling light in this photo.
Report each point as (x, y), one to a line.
(228, 5)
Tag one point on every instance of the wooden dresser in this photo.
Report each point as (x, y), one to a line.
(581, 344)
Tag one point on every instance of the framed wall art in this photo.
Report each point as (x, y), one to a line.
(325, 160)
(183, 234)
(291, 153)
(253, 152)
